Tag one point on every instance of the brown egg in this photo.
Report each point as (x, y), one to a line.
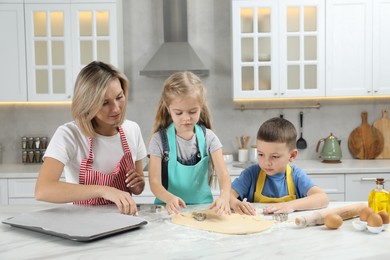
(333, 221)
(374, 220)
(384, 216)
(364, 213)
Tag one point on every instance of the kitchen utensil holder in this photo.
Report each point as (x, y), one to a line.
(33, 149)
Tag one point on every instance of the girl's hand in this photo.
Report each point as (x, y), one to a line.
(282, 207)
(244, 207)
(122, 200)
(221, 206)
(135, 182)
(173, 205)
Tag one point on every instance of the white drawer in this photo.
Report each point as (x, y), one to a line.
(358, 186)
(330, 183)
(21, 188)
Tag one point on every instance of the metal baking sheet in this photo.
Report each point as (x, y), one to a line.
(78, 223)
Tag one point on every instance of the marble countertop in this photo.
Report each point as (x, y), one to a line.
(310, 166)
(161, 239)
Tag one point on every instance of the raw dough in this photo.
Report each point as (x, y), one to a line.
(226, 224)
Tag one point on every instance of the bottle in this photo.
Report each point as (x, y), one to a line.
(378, 199)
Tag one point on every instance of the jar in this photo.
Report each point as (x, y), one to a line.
(228, 157)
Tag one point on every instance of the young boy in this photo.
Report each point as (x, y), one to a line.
(273, 180)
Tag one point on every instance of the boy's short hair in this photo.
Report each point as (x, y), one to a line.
(278, 130)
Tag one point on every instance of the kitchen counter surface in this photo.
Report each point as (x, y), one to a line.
(310, 166)
(160, 239)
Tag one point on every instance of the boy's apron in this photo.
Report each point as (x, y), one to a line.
(116, 179)
(189, 182)
(258, 197)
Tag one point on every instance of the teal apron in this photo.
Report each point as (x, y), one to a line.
(189, 182)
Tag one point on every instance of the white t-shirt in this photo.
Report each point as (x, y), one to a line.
(70, 146)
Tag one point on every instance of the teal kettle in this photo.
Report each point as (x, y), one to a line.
(331, 150)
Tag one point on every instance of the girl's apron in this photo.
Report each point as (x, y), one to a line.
(258, 197)
(189, 182)
(116, 179)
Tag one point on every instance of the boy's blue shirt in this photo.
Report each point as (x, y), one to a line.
(274, 187)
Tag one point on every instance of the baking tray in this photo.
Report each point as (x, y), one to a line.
(77, 223)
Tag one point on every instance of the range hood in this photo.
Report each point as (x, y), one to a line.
(175, 54)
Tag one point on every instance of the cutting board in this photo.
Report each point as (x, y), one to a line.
(383, 125)
(365, 141)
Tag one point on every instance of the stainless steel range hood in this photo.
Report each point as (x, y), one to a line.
(175, 54)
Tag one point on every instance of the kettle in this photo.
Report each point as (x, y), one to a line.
(331, 150)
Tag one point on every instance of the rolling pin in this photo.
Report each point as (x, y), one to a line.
(317, 218)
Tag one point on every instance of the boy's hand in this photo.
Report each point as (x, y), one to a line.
(282, 207)
(244, 207)
(173, 205)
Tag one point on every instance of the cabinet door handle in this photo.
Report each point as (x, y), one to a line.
(367, 179)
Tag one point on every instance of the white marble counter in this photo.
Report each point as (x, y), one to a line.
(160, 239)
(310, 166)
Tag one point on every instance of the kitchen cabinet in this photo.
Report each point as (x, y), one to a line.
(46, 43)
(278, 48)
(61, 39)
(357, 53)
(3, 192)
(12, 52)
(332, 184)
(358, 186)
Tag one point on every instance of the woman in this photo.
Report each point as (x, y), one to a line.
(99, 152)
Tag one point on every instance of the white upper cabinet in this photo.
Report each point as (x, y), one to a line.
(12, 53)
(381, 43)
(45, 44)
(278, 48)
(349, 47)
(61, 39)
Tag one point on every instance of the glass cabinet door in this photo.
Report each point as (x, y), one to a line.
(48, 31)
(255, 54)
(302, 35)
(94, 31)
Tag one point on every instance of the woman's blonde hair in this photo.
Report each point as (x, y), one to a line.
(181, 84)
(89, 91)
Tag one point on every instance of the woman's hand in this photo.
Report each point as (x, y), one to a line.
(122, 200)
(173, 205)
(135, 182)
(221, 206)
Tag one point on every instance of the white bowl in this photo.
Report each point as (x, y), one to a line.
(375, 229)
(228, 158)
(359, 225)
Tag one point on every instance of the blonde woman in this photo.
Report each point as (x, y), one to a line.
(181, 147)
(100, 153)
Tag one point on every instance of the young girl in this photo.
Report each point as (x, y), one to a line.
(180, 148)
(100, 153)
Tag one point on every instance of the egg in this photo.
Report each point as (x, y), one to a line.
(364, 213)
(384, 216)
(333, 221)
(374, 220)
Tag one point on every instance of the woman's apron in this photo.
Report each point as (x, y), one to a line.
(189, 182)
(258, 197)
(116, 179)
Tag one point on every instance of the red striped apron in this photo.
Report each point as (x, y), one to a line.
(116, 179)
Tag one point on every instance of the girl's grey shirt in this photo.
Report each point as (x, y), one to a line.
(185, 148)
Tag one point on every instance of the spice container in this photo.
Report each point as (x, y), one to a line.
(33, 149)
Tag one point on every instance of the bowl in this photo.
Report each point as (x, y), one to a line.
(375, 230)
(385, 227)
(359, 225)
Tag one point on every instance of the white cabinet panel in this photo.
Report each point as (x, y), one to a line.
(358, 186)
(332, 184)
(3, 191)
(21, 188)
(12, 53)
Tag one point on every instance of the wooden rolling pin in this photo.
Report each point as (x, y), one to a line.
(317, 218)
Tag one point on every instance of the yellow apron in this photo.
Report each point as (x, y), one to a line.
(258, 197)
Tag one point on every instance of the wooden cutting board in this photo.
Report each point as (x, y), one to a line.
(365, 141)
(383, 125)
